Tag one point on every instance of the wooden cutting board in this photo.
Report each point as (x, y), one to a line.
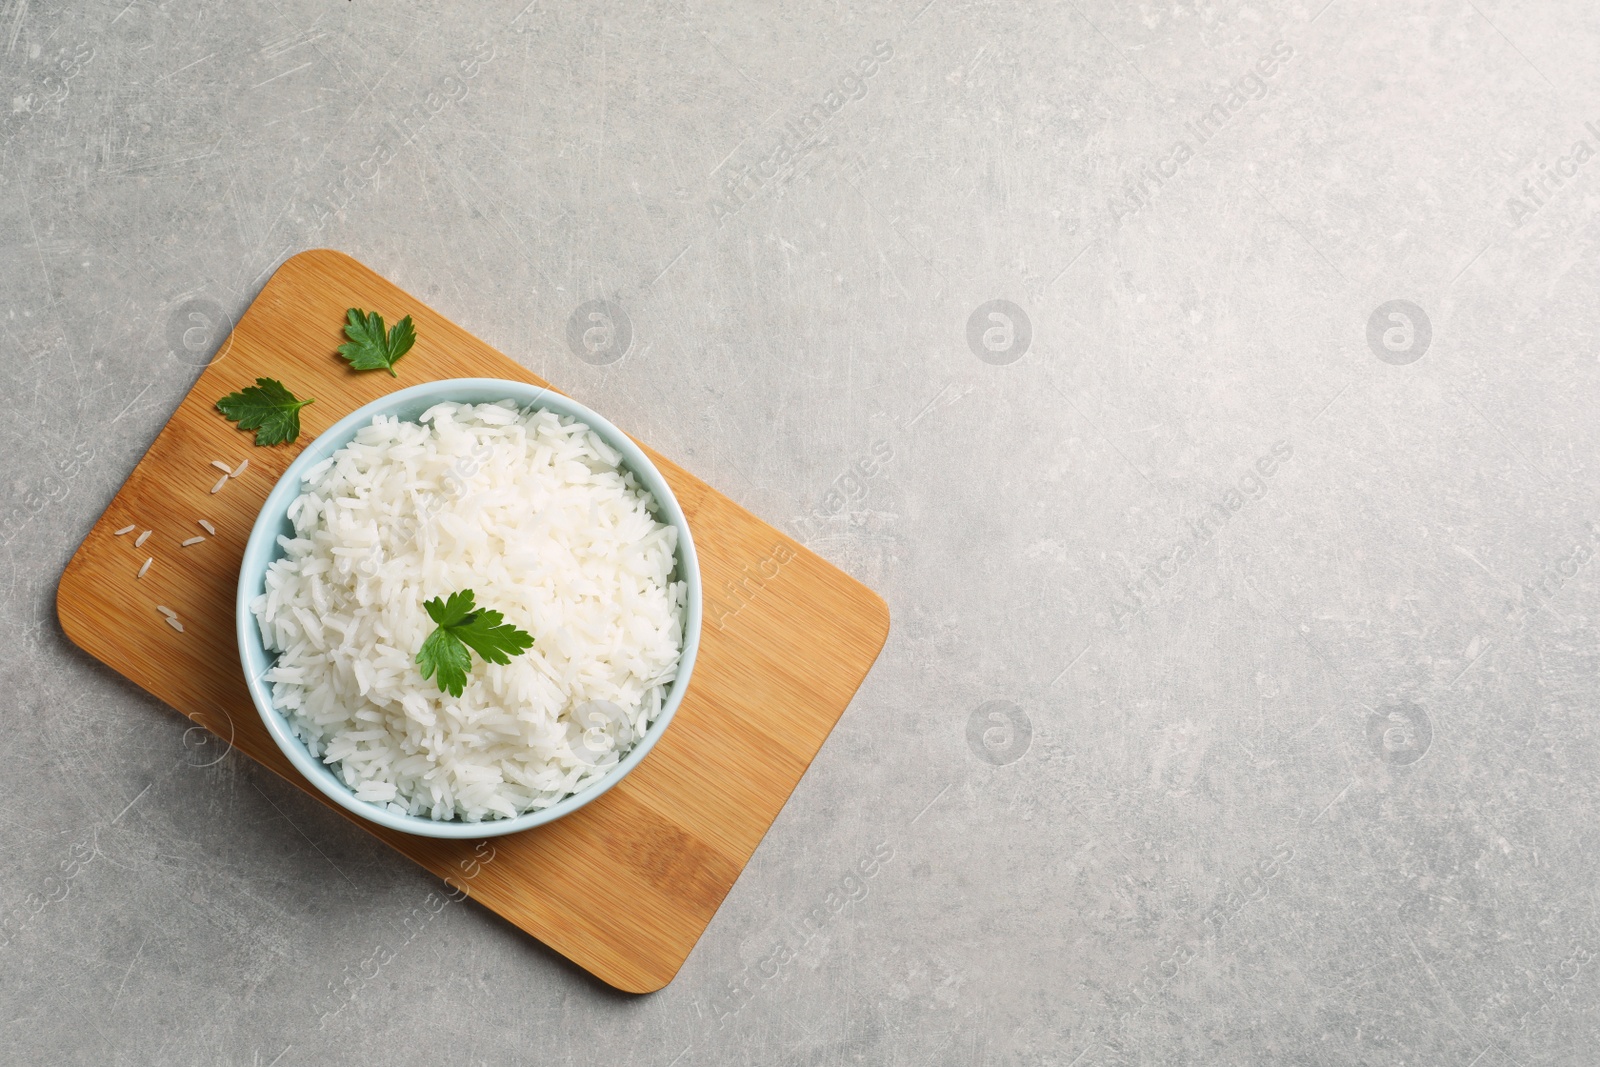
(623, 887)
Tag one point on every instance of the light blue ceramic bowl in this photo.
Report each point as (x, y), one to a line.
(263, 548)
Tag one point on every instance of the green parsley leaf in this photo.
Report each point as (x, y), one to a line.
(369, 348)
(267, 408)
(463, 625)
(443, 652)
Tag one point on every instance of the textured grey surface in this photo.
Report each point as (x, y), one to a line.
(1178, 761)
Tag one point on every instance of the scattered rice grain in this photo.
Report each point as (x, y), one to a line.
(221, 466)
(207, 527)
(168, 612)
(240, 468)
(138, 542)
(124, 530)
(192, 541)
(222, 481)
(175, 624)
(145, 567)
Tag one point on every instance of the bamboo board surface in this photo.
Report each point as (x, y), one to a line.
(623, 887)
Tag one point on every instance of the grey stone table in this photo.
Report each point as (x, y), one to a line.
(1209, 389)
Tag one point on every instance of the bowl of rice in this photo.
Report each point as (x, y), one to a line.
(555, 522)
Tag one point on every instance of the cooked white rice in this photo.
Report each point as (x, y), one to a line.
(536, 515)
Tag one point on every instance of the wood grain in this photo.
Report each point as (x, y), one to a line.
(623, 887)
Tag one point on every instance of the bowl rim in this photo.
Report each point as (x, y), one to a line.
(261, 549)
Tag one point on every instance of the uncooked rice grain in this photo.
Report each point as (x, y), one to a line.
(138, 542)
(240, 468)
(222, 481)
(145, 566)
(535, 514)
(168, 612)
(122, 531)
(172, 621)
(193, 541)
(221, 466)
(206, 526)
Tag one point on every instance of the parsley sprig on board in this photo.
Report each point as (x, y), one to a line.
(463, 625)
(369, 348)
(267, 408)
